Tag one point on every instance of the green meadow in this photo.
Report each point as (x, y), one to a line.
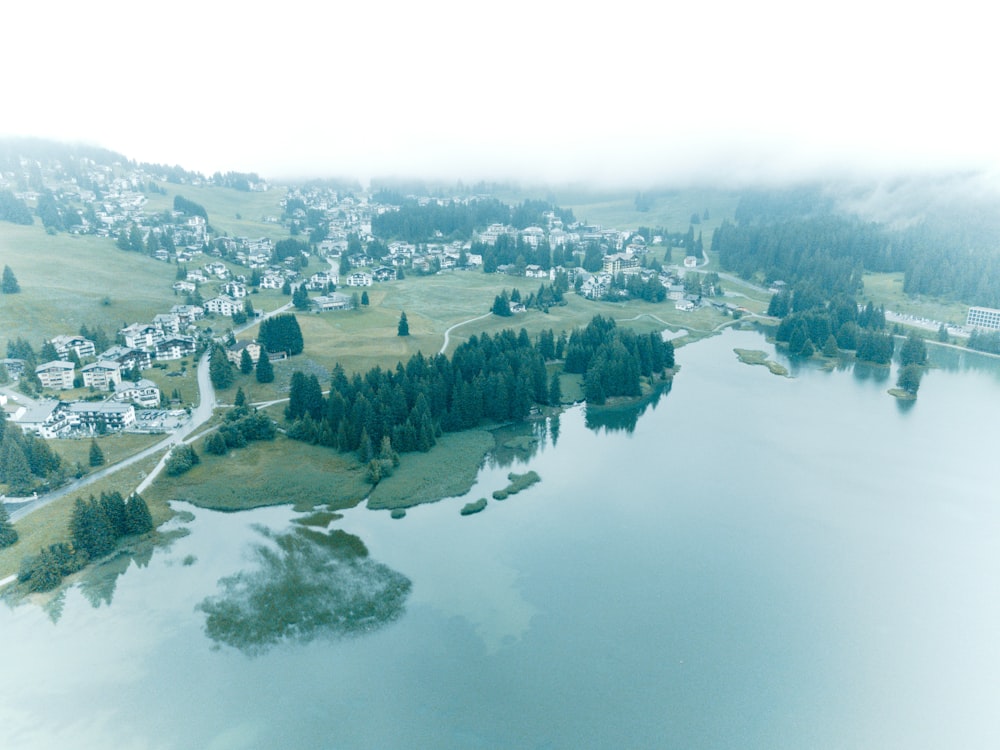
(232, 212)
(68, 280)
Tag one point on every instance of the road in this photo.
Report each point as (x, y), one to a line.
(447, 334)
(199, 415)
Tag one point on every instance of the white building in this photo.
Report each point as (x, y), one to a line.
(359, 279)
(983, 317)
(102, 375)
(143, 392)
(224, 305)
(64, 344)
(141, 336)
(57, 375)
(100, 416)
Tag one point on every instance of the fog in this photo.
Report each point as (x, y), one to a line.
(621, 94)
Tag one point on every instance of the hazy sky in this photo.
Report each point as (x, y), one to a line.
(626, 92)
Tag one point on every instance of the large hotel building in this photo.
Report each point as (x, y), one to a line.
(983, 317)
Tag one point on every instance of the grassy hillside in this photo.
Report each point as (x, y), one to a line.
(68, 281)
(233, 212)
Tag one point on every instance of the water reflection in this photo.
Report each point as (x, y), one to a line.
(868, 371)
(98, 582)
(624, 417)
(307, 583)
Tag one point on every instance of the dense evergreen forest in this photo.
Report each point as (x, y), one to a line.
(494, 379)
(417, 222)
(801, 237)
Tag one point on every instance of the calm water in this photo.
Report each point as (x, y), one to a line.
(761, 563)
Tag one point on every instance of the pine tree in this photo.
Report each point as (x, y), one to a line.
(216, 444)
(9, 283)
(8, 534)
(137, 516)
(555, 390)
(913, 351)
(364, 298)
(241, 398)
(265, 371)
(246, 363)
(403, 329)
(96, 454)
(114, 509)
(220, 369)
(14, 467)
(90, 529)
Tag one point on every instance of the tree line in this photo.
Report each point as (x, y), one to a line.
(416, 222)
(96, 528)
(26, 461)
(796, 236)
(489, 379)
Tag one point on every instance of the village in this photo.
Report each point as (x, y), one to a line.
(86, 392)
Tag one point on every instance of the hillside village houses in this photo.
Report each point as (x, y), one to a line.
(234, 353)
(223, 305)
(56, 375)
(101, 375)
(142, 392)
(65, 344)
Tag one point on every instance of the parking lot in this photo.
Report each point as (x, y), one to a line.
(159, 420)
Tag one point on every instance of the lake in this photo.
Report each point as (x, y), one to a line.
(753, 562)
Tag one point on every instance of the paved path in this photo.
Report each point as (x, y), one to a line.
(447, 334)
(199, 415)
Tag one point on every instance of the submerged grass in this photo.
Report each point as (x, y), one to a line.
(518, 482)
(469, 508)
(755, 357)
(320, 519)
(261, 474)
(449, 469)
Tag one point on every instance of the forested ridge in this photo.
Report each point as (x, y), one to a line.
(417, 222)
(801, 238)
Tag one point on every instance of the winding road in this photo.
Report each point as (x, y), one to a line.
(199, 416)
(447, 333)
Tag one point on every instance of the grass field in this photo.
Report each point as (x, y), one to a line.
(363, 338)
(887, 289)
(115, 447)
(232, 212)
(68, 281)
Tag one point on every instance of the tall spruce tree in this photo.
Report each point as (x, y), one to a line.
(96, 454)
(265, 370)
(403, 329)
(220, 369)
(138, 519)
(14, 467)
(9, 283)
(8, 534)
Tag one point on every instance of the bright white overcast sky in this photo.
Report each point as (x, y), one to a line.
(625, 92)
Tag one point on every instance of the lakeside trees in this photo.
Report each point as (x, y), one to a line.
(96, 527)
(489, 378)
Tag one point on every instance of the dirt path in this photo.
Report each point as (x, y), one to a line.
(447, 334)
